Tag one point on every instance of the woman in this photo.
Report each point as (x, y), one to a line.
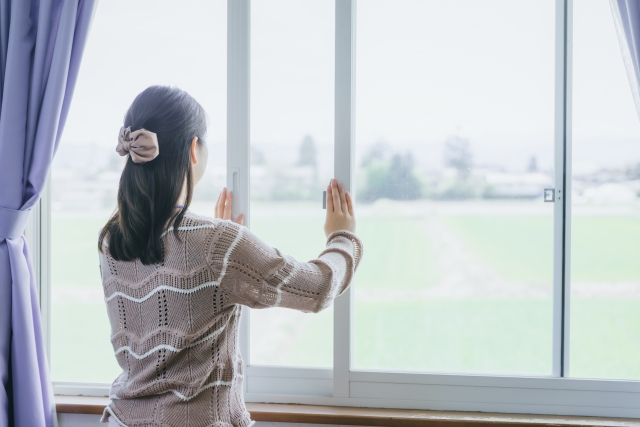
(174, 281)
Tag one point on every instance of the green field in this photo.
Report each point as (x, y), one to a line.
(519, 248)
(483, 335)
(603, 249)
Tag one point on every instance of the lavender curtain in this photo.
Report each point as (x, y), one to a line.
(626, 17)
(41, 45)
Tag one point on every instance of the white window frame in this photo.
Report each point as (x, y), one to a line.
(343, 385)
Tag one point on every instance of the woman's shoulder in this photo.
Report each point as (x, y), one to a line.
(223, 232)
(193, 216)
(215, 234)
(194, 222)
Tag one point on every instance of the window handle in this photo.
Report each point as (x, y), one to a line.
(235, 181)
(550, 195)
(234, 185)
(324, 197)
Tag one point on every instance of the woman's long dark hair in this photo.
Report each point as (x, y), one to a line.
(148, 192)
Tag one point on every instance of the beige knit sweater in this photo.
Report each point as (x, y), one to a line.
(175, 325)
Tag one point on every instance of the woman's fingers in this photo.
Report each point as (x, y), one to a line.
(224, 207)
(228, 205)
(336, 196)
(343, 200)
(223, 201)
(329, 199)
(218, 203)
(349, 203)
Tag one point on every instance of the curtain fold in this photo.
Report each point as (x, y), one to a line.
(626, 17)
(41, 46)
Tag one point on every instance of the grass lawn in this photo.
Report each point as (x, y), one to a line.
(508, 336)
(603, 249)
(314, 347)
(396, 254)
(605, 338)
(74, 255)
(80, 346)
(484, 336)
(518, 248)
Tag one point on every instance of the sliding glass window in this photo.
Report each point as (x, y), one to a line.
(454, 147)
(291, 156)
(605, 220)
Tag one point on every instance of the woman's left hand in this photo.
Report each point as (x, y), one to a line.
(224, 205)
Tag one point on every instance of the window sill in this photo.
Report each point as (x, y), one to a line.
(310, 414)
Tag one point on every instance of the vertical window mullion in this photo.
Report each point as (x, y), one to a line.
(238, 56)
(562, 183)
(343, 167)
(568, 159)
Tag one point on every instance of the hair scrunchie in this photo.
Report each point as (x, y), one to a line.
(141, 145)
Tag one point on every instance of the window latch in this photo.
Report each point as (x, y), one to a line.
(550, 195)
(324, 197)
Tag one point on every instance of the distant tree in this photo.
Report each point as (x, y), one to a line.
(392, 179)
(308, 152)
(533, 164)
(633, 171)
(457, 154)
(376, 152)
(256, 156)
(402, 181)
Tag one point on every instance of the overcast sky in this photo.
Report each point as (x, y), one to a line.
(426, 70)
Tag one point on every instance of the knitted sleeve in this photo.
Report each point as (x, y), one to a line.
(259, 276)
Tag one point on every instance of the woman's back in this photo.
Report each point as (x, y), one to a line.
(175, 323)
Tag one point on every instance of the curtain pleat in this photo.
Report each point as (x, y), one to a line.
(626, 17)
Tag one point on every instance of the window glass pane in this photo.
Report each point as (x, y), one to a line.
(292, 74)
(181, 44)
(454, 146)
(605, 221)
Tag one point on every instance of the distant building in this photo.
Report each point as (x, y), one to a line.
(609, 193)
(516, 184)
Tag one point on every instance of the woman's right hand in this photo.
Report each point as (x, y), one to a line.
(224, 206)
(339, 209)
